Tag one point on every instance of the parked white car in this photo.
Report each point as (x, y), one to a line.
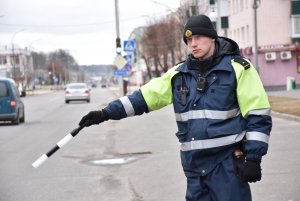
(77, 92)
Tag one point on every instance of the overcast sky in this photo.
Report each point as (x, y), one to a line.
(84, 27)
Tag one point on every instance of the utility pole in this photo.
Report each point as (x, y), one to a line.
(118, 41)
(13, 55)
(117, 18)
(197, 8)
(186, 19)
(255, 6)
(138, 56)
(53, 77)
(219, 29)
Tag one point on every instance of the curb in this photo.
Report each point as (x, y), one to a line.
(285, 116)
(37, 92)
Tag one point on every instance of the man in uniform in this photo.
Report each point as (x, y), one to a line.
(221, 109)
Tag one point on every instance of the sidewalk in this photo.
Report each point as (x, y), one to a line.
(39, 92)
(295, 93)
(130, 89)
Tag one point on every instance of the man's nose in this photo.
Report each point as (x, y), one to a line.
(194, 43)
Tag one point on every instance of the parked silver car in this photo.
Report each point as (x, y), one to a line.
(77, 92)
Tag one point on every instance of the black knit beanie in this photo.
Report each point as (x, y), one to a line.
(199, 25)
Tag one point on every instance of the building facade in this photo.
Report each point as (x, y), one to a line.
(17, 64)
(278, 34)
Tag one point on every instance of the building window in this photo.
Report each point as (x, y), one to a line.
(226, 33)
(237, 6)
(238, 35)
(3, 60)
(295, 25)
(224, 23)
(234, 36)
(246, 4)
(296, 40)
(215, 25)
(14, 60)
(233, 10)
(243, 35)
(211, 2)
(242, 4)
(298, 63)
(247, 33)
(295, 7)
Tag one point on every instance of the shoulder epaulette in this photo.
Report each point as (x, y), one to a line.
(243, 62)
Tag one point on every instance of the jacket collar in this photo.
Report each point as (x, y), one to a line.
(225, 64)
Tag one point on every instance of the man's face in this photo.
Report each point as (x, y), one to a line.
(200, 46)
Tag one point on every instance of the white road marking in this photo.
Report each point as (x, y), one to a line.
(52, 99)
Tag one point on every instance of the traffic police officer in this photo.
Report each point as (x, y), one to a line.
(220, 106)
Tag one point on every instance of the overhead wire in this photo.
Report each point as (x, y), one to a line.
(74, 25)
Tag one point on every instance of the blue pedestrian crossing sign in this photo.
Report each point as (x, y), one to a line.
(128, 57)
(129, 46)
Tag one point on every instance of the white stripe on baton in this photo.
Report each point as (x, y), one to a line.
(59, 145)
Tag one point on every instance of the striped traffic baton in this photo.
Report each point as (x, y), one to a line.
(60, 144)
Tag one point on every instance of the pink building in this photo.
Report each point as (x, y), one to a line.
(278, 31)
(278, 25)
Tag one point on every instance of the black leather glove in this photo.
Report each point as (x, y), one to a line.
(94, 117)
(251, 170)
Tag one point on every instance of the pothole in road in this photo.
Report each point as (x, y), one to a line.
(113, 161)
(127, 158)
(134, 154)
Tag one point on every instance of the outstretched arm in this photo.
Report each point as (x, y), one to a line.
(126, 106)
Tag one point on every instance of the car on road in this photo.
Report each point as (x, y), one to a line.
(77, 92)
(11, 105)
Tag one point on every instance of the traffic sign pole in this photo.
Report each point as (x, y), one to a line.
(121, 85)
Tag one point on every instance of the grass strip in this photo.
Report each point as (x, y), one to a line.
(285, 105)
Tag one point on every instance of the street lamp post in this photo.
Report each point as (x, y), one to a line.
(255, 6)
(13, 51)
(32, 43)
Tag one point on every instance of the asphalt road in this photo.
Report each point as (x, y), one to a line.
(156, 174)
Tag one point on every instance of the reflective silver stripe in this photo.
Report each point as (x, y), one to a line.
(266, 111)
(127, 106)
(211, 143)
(209, 114)
(258, 136)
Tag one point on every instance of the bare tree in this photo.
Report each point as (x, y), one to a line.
(57, 67)
(162, 43)
(26, 73)
(66, 60)
(149, 48)
(180, 47)
(39, 60)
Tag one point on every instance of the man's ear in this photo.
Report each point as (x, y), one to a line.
(213, 40)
